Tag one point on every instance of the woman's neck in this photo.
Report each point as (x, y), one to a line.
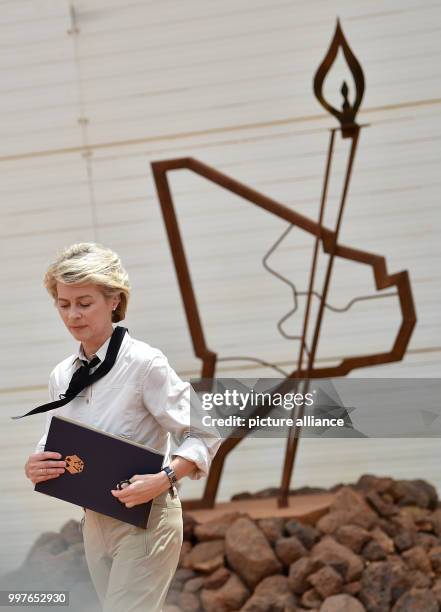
(91, 346)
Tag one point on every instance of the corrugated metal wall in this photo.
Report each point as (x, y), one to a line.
(92, 92)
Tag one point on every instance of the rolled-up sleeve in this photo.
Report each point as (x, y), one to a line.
(167, 397)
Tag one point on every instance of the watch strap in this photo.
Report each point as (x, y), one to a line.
(171, 478)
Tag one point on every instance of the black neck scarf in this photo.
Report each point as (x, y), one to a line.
(81, 377)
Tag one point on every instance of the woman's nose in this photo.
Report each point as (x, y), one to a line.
(74, 314)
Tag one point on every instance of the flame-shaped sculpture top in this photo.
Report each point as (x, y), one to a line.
(347, 114)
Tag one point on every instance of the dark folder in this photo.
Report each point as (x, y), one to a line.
(96, 461)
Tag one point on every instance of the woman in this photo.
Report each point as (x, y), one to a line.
(140, 398)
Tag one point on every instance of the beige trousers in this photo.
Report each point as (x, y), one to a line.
(132, 568)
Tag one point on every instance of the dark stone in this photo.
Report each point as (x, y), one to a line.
(414, 493)
(417, 600)
(249, 553)
(431, 493)
(352, 588)
(71, 532)
(289, 549)
(369, 482)
(400, 576)
(341, 558)
(275, 492)
(435, 519)
(404, 540)
(373, 552)
(272, 528)
(311, 599)
(435, 559)
(353, 503)
(217, 578)
(48, 543)
(420, 518)
(419, 580)
(436, 590)
(352, 536)
(272, 594)
(380, 506)
(231, 596)
(417, 558)
(427, 540)
(330, 522)
(383, 539)
(342, 603)
(216, 528)
(299, 572)
(307, 534)
(206, 556)
(389, 527)
(326, 581)
(376, 587)
(273, 584)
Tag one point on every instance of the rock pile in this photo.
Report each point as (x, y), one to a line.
(378, 549)
(56, 562)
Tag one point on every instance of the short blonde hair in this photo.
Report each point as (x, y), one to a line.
(88, 262)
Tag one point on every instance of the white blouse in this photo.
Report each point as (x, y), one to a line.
(141, 398)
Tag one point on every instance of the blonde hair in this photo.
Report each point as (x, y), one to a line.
(88, 262)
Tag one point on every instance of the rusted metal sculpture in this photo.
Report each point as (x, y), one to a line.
(325, 237)
(348, 112)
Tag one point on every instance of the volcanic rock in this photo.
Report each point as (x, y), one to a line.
(326, 581)
(231, 596)
(249, 553)
(289, 549)
(330, 552)
(417, 600)
(342, 603)
(206, 556)
(272, 528)
(376, 587)
(216, 528)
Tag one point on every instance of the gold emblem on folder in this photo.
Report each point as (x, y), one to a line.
(74, 464)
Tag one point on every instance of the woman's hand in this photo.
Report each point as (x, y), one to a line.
(143, 489)
(147, 486)
(42, 466)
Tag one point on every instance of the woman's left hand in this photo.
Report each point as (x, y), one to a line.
(144, 488)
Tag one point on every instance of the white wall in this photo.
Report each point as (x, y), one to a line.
(229, 83)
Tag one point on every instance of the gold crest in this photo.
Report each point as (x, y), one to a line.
(74, 464)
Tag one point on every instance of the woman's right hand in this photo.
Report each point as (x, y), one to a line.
(43, 466)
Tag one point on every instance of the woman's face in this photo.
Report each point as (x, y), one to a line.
(85, 311)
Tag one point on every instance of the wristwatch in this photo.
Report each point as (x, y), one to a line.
(171, 478)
